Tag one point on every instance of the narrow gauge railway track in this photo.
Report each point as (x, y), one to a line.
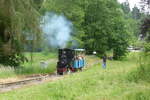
(4, 87)
(8, 86)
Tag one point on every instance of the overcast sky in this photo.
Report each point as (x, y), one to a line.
(132, 2)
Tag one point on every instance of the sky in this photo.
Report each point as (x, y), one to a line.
(132, 2)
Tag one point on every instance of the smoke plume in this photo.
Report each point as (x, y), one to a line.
(57, 29)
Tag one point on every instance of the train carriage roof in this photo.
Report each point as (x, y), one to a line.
(79, 49)
(72, 49)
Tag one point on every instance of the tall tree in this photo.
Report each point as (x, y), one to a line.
(145, 4)
(19, 21)
(94, 22)
(145, 27)
(136, 14)
(105, 28)
(126, 7)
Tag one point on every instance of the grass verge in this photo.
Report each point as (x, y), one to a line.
(92, 84)
(33, 67)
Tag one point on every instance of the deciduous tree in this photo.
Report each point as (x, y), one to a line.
(19, 22)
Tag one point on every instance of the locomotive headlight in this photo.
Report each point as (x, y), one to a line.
(94, 52)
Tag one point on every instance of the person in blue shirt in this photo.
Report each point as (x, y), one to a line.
(104, 59)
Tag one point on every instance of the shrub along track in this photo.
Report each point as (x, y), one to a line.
(37, 79)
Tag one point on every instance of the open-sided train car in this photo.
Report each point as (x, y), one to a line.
(70, 60)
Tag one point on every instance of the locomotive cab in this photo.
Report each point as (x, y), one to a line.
(70, 59)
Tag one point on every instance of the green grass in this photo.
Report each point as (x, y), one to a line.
(7, 72)
(142, 73)
(33, 67)
(92, 84)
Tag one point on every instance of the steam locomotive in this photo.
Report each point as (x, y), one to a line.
(70, 60)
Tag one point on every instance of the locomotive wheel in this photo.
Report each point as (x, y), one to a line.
(80, 69)
(60, 73)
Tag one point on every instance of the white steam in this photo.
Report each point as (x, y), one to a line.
(57, 29)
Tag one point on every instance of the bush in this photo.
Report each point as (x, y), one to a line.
(143, 71)
(147, 48)
(13, 60)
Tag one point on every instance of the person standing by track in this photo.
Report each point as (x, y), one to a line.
(104, 59)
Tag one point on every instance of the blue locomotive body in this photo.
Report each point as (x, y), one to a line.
(70, 59)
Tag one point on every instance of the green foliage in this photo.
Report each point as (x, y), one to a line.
(97, 23)
(143, 70)
(147, 48)
(96, 32)
(120, 40)
(133, 21)
(145, 29)
(136, 14)
(126, 7)
(105, 28)
(19, 21)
